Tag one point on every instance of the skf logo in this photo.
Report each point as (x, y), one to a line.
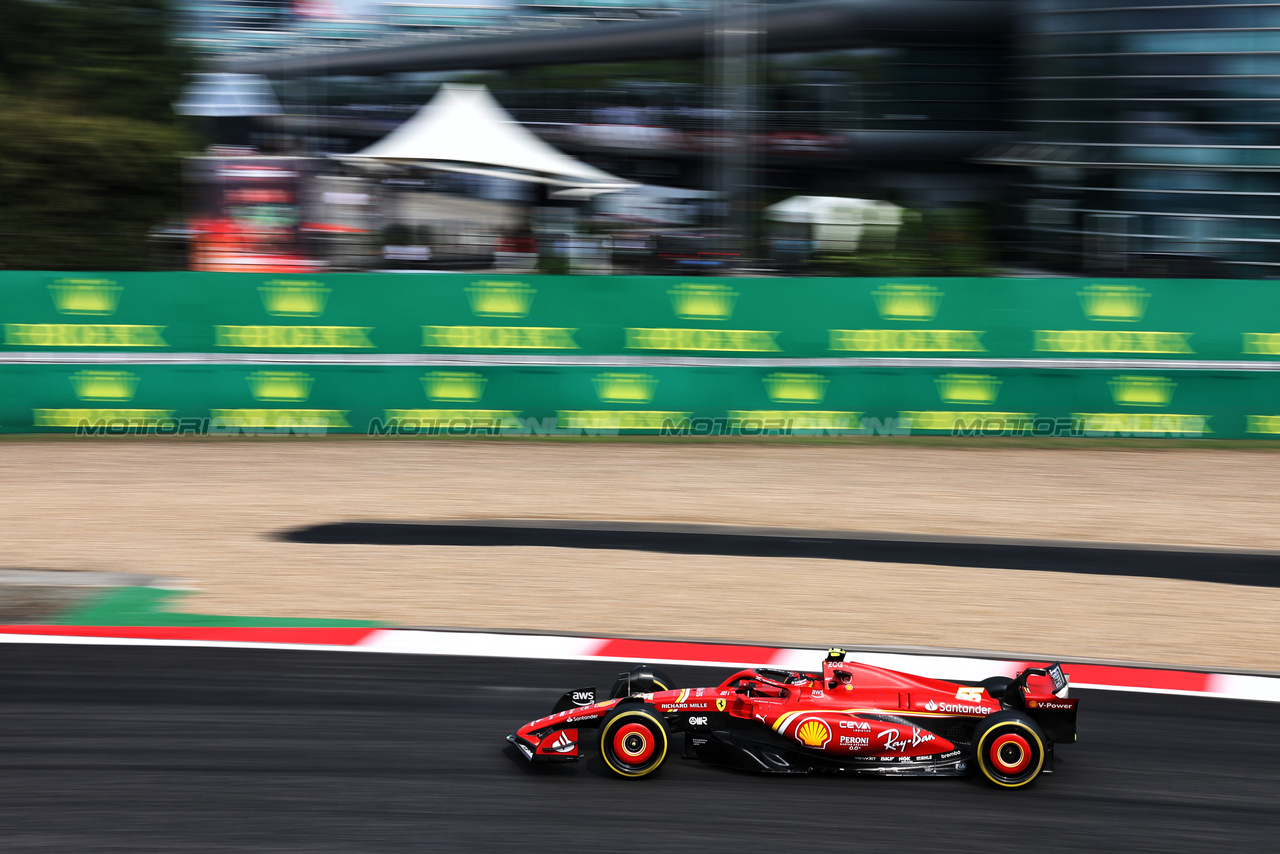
(703, 302)
(907, 302)
(968, 388)
(1142, 391)
(1121, 303)
(720, 704)
(455, 386)
(969, 695)
(291, 386)
(813, 733)
(85, 296)
(625, 388)
(796, 388)
(500, 299)
(289, 298)
(104, 385)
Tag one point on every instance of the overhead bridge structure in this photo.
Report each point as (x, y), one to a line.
(783, 28)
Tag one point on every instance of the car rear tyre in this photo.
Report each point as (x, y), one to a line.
(634, 741)
(1009, 749)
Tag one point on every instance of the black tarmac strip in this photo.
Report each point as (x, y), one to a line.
(1256, 569)
(135, 749)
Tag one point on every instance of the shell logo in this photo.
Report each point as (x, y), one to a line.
(813, 733)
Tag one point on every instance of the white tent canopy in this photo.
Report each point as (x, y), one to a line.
(463, 129)
(838, 224)
(833, 210)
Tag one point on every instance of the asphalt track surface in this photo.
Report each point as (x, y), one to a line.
(1257, 569)
(136, 749)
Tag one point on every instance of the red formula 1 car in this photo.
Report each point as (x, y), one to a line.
(851, 717)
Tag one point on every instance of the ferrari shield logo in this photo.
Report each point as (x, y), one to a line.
(720, 705)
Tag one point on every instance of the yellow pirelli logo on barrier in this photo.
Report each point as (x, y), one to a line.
(908, 340)
(949, 420)
(1269, 424)
(714, 340)
(612, 419)
(1141, 423)
(83, 335)
(279, 418)
(91, 417)
(1110, 341)
(293, 337)
(500, 337)
(795, 419)
(469, 418)
(1262, 343)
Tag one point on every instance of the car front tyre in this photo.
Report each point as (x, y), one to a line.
(634, 741)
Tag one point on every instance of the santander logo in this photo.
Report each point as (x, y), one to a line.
(931, 706)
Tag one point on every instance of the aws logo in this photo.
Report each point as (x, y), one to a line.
(104, 385)
(291, 386)
(1142, 391)
(907, 302)
(968, 388)
(500, 299)
(1118, 303)
(625, 388)
(692, 301)
(290, 298)
(85, 296)
(454, 386)
(796, 388)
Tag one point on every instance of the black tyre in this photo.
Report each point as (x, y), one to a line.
(661, 681)
(641, 679)
(1009, 749)
(634, 741)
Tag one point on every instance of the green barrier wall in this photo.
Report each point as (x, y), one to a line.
(198, 352)
(591, 401)
(639, 316)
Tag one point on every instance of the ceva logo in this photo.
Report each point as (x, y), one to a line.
(104, 385)
(454, 386)
(1142, 391)
(692, 301)
(979, 389)
(1120, 303)
(907, 302)
(290, 298)
(500, 299)
(625, 388)
(291, 386)
(85, 296)
(796, 388)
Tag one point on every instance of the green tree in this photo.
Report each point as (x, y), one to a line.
(89, 152)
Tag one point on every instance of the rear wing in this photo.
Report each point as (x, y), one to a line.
(1042, 693)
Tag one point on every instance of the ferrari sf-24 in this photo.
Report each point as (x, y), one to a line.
(851, 717)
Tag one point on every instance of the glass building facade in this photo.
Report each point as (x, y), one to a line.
(1152, 133)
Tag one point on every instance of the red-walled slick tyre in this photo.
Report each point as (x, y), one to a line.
(1010, 749)
(634, 741)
